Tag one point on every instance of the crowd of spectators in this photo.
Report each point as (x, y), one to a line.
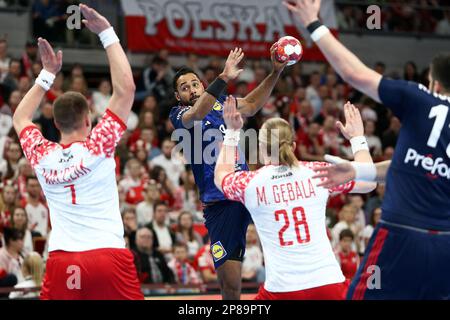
(406, 16)
(159, 201)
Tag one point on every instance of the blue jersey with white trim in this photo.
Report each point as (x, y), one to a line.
(202, 148)
(418, 181)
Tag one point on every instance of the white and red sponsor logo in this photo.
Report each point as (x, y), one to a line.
(434, 167)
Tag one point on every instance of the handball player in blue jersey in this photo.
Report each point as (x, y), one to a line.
(201, 109)
(408, 256)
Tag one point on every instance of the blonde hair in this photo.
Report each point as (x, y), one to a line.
(276, 134)
(33, 265)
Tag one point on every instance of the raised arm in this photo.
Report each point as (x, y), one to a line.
(354, 131)
(255, 100)
(121, 75)
(347, 65)
(51, 63)
(227, 156)
(205, 102)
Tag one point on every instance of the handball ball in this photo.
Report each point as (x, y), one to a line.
(288, 49)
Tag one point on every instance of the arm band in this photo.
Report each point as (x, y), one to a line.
(231, 138)
(359, 143)
(216, 87)
(108, 37)
(365, 171)
(317, 30)
(45, 79)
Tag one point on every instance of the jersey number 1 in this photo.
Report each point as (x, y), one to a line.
(298, 214)
(439, 112)
(72, 191)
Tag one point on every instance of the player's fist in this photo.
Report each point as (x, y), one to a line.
(50, 61)
(93, 20)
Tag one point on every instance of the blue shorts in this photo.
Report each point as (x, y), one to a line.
(227, 223)
(403, 263)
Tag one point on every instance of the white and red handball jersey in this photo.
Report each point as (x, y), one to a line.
(79, 183)
(288, 209)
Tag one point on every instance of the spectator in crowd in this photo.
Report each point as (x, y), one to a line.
(164, 238)
(357, 201)
(25, 170)
(347, 217)
(48, 20)
(167, 189)
(101, 97)
(47, 123)
(155, 80)
(29, 58)
(33, 272)
(443, 26)
(133, 183)
(12, 102)
(19, 221)
(170, 163)
(150, 263)
(252, 266)
(310, 144)
(144, 209)
(374, 201)
(187, 235)
(10, 165)
(5, 124)
(181, 268)
(11, 80)
(373, 141)
(410, 72)
(37, 210)
(205, 264)
(367, 232)
(346, 255)
(312, 93)
(186, 196)
(130, 226)
(10, 255)
(56, 89)
(7, 205)
(4, 59)
(390, 136)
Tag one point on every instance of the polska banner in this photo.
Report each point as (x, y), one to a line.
(214, 27)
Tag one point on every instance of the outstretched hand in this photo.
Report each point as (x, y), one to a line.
(232, 118)
(354, 126)
(306, 10)
(276, 65)
(50, 61)
(231, 70)
(335, 175)
(93, 20)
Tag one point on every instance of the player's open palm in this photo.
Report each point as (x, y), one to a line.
(332, 176)
(354, 126)
(93, 20)
(231, 116)
(50, 61)
(306, 10)
(231, 70)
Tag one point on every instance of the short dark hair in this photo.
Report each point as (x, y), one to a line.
(346, 233)
(182, 72)
(440, 69)
(69, 110)
(158, 204)
(12, 234)
(28, 178)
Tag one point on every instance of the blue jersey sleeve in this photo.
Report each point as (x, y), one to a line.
(394, 94)
(176, 116)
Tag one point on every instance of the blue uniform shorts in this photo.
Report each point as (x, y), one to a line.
(227, 223)
(404, 263)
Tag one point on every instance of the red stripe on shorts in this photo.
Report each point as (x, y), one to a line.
(371, 260)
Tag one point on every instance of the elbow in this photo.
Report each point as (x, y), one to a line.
(126, 88)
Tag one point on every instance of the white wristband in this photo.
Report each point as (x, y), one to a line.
(108, 37)
(45, 79)
(359, 143)
(364, 171)
(231, 138)
(319, 33)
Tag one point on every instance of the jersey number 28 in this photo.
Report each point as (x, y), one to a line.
(298, 215)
